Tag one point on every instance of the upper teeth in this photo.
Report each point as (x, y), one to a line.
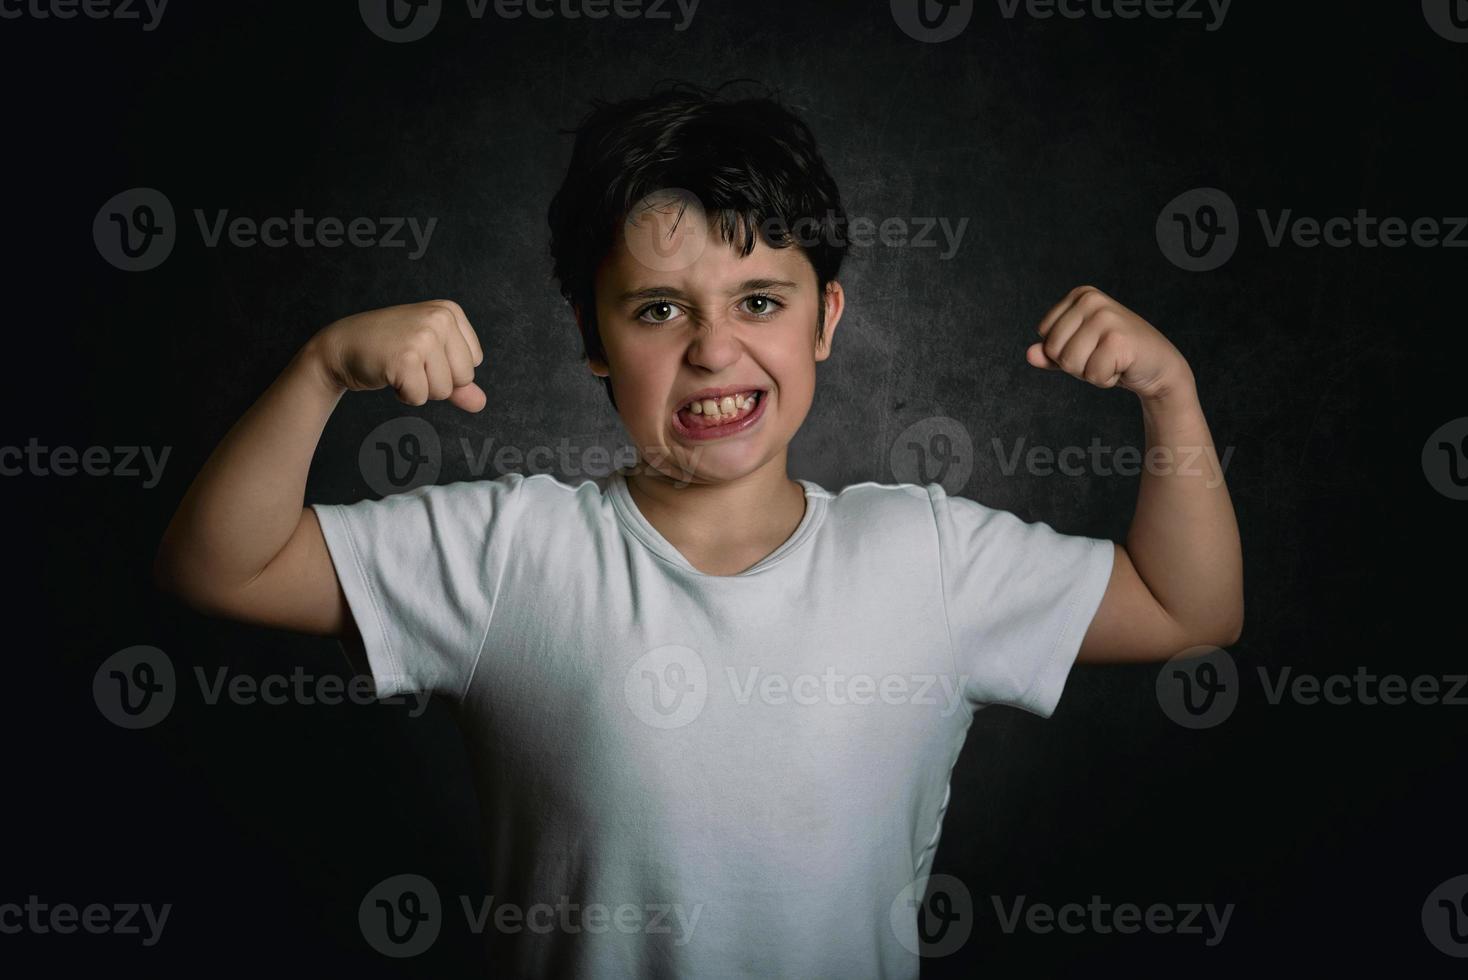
(727, 405)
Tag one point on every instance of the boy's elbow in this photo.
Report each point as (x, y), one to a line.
(170, 579)
(1220, 630)
(1231, 628)
(1233, 634)
(172, 576)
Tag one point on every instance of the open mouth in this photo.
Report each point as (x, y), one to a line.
(713, 417)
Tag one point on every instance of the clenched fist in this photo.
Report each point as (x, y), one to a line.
(422, 350)
(1091, 336)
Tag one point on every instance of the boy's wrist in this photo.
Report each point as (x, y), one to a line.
(1178, 391)
(311, 359)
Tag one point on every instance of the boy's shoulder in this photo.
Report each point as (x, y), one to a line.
(873, 494)
(871, 509)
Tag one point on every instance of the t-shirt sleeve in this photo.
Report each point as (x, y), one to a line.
(421, 571)
(1019, 597)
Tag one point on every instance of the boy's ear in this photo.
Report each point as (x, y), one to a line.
(835, 300)
(598, 368)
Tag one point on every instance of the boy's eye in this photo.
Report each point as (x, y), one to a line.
(763, 306)
(658, 312)
(760, 306)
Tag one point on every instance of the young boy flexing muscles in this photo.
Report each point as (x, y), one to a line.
(712, 710)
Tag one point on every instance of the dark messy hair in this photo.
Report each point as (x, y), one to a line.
(750, 162)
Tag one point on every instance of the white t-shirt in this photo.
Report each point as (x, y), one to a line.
(716, 776)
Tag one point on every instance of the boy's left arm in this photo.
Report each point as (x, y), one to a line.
(1178, 581)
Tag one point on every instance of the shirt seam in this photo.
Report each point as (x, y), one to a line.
(1070, 615)
(494, 601)
(943, 601)
(401, 676)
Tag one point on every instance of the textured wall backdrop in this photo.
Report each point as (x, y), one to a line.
(1021, 156)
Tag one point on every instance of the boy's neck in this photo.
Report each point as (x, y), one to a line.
(722, 528)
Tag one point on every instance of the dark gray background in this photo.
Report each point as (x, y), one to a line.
(1061, 141)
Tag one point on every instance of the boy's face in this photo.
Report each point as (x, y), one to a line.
(681, 311)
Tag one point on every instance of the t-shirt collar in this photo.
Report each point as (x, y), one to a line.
(653, 540)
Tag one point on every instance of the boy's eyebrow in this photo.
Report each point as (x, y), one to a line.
(653, 292)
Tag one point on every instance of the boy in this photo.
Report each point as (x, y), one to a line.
(715, 708)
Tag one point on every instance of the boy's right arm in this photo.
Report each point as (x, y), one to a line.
(242, 544)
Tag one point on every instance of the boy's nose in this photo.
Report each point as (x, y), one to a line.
(716, 345)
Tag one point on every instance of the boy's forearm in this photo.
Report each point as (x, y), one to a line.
(246, 501)
(1184, 538)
